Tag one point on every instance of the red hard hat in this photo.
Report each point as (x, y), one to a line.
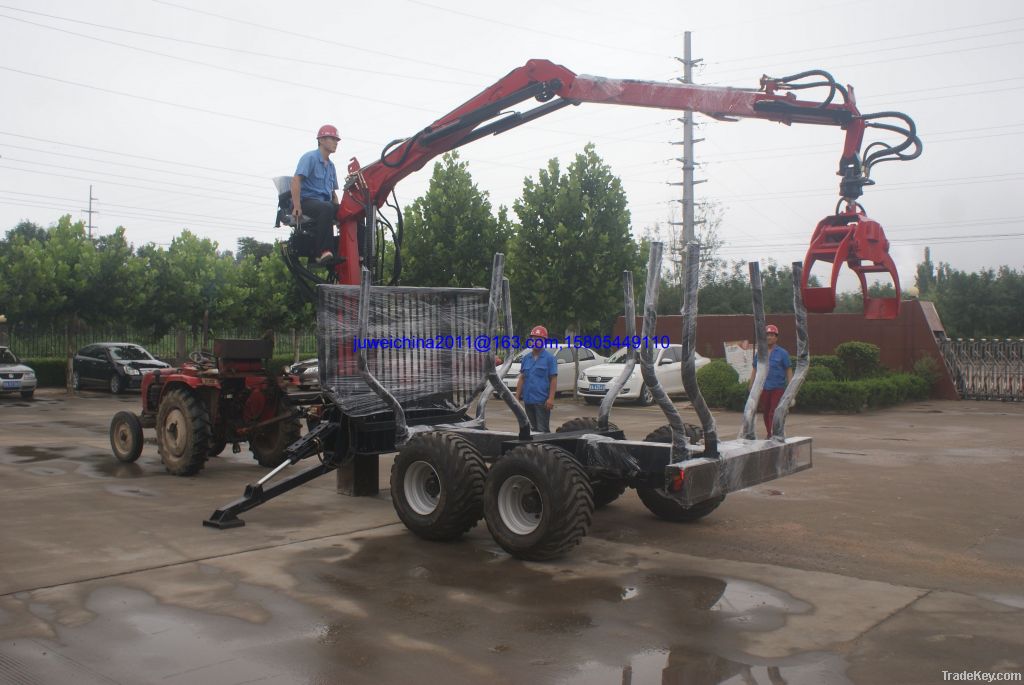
(771, 328)
(327, 131)
(538, 332)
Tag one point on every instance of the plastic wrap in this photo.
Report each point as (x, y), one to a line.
(421, 345)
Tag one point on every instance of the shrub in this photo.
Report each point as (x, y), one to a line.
(715, 381)
(736, 397)
(928, 370)
(832, 396)
(860, 359)
(830, 362)
(50, 371)
(819, 373)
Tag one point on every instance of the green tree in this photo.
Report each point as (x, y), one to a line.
(250, 247)
(572, 245)
(451, 234)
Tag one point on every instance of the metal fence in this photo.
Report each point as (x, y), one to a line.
(36, 343)
(986, 369)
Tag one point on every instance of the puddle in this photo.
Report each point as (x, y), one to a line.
(688, 666)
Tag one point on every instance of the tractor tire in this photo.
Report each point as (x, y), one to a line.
(126, 436)
(605, 491)
(183, 433)
(216, 447)
(538, 502)
(695, 434)
(268, 445)
(437, 485)
(659, 503)
(116, 385)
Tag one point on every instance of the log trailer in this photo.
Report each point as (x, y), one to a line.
(537, 492)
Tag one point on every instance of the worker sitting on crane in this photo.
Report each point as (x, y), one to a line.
(314, 192)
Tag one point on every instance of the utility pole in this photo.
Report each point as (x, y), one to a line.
(90, 211)
(688, 223)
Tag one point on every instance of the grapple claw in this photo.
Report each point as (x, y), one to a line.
(853, 238)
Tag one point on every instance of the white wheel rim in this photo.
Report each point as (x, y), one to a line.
(174, 431)
(422, 488)
(122, 437)
(520, 505)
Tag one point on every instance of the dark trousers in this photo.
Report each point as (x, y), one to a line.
(769, 401)
(540, 418)
(322, 213)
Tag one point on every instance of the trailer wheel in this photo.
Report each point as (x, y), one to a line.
(437, 485)
(605, 491)
(126, 436)
(268, 444)
(659, 503)
(664, 434)
(538, 502)
(182, 433)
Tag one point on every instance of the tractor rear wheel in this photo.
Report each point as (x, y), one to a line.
(605, 491)
(537, 502)
(183, 433)
(268, 444)
(658, 501)
(126, 436)
(437, 485)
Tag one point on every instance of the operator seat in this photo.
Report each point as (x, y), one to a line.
(302, 241)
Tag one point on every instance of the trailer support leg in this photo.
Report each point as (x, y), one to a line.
(360, 476)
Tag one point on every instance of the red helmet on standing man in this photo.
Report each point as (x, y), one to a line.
(327, 131)
(771, 328)
(539, 332)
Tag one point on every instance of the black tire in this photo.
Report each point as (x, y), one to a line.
(437, 485)
(126, 436)
(183, 433)
(646, 397)
(604, 491)
(538, 502)
(116, 384)
(216, 447)
(695, 434)
(592, 400)
(27, 394)
(268, 445)
(76, 381)
(659, 503)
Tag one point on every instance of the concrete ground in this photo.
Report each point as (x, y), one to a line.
(900, 555)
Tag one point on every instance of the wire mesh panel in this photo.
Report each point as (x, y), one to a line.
(986, 369)
(422, 345)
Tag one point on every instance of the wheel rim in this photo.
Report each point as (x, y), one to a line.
(422, 488)
(75, 379)
(646, 396)
(175, 432)
(122, 438)
(115, 383)
(520, 505)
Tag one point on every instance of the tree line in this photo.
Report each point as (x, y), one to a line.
(567, 237)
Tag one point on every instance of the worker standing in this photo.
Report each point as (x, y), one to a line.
(780, 373)
(314, 191)
(538, 380)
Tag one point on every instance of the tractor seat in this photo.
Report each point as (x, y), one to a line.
(284, 204)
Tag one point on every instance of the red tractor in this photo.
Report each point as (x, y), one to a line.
(207, 403)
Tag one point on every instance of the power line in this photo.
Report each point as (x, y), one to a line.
(214, 46)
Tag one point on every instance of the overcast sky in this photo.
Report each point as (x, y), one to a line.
(179, 112)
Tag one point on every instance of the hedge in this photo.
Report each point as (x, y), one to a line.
(860, 359)
(715, 381)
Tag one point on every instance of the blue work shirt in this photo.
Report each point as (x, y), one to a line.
(319, 177)
(778, 365)
(537, 372)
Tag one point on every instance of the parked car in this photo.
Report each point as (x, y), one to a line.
(115, 365)
(15, 376)
(306, 373)
(566, 369)
(593, 383)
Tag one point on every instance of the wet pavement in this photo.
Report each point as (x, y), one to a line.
(898, 556)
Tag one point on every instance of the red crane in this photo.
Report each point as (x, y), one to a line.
(848, 236)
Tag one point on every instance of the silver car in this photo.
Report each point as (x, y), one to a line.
(15, 376)
(307, 373)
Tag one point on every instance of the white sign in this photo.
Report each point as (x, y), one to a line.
(740, 355)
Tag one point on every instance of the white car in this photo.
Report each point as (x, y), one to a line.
(15, 376)
(593, 383)
(566, 369)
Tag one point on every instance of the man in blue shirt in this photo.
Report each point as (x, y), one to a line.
(780, 373)
(538, 380)
(314, 193)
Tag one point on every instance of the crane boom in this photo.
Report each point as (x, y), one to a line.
(848, 236)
